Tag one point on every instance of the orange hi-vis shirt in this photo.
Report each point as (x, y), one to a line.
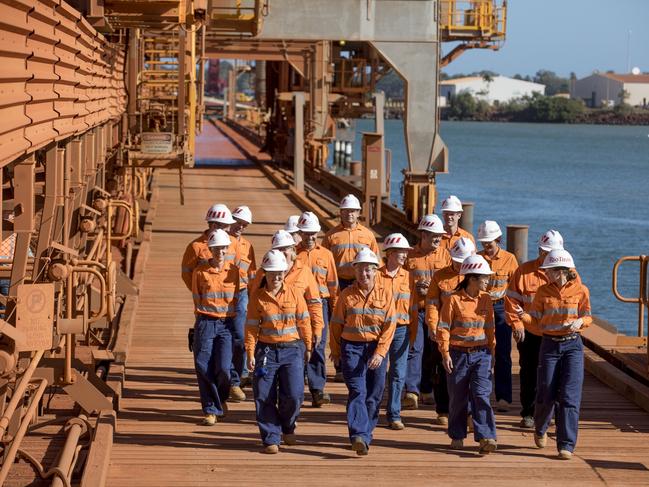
(198, 253)
(523, 285)
(449, 240)
(554, 308)
(215, 291)
(443, 285)
(423, 265)
(323, 267)
(405, 304)
(466, 322)
(503, 266)
(302, 279)
(244, 258)
(360, 318)
(277, 319)
(344, 244)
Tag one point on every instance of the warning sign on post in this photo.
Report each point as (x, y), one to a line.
(35, 316)
(157, 142)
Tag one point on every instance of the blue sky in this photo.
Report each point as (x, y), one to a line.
(565, 36)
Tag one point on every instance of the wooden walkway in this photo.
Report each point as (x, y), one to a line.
(159, 441)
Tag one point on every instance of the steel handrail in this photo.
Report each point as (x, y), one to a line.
(642, 300)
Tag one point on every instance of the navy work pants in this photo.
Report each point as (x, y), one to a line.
(528, 351)
(503, 364)
(316, 370)
(238, 367)
(397, 371)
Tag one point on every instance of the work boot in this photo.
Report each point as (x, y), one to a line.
(289, 439)
(410, 401)
(540, 440)
(237, 394)
(457, 444)
(428, 398)
(246, 381)
(527, 422)
(396, 425)
(502, 406)
(442, 419)
(271, 449)
(359, 446)
(487, 445)
(319, 399)
(339, 377)
(565, 454)
(209, 420)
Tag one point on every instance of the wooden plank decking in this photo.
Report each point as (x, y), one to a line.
(159, 441)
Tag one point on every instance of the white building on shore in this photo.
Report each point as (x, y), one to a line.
(607, 89)
(499, 89)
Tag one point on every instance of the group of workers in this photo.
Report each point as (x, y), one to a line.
(433, 320)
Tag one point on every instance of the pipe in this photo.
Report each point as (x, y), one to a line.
(10, 455)
(19, 391)
(68, 454)
(69, 288)
(517, 241)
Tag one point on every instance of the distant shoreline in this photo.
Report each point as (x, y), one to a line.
(595, 118)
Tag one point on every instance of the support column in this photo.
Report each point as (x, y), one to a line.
(298, 141)
(379, 128)
(517, 241)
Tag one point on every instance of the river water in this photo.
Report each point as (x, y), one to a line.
(590, 182)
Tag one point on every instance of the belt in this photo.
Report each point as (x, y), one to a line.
(499, 301)
(479, 348)
(402, 324)
(563, 338)
(278, 345)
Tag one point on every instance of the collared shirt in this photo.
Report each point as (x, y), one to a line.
(554, 308)
(323, 267)
(244, 258)
(449, 240)
(466, 322)
(523, 285)
(215, 291)
(277, 319)
(301, 278)
(362, 318)
(405, 305)
(345, 243)
(423, 265)
(198, 253)
(503, 265)
(444, 283)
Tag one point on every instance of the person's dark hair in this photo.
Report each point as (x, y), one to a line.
(571, 274)
(465, 282)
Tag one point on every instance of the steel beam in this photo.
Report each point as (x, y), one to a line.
(298, 142)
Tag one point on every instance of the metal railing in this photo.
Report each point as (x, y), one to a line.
(642, 299)
(484, 19)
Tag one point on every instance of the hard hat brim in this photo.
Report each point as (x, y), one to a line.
(490, 239)
(365, 262)
(452, 211)
(242, 219)
(274, 269)
(553, 266)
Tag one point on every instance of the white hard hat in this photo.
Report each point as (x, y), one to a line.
(242, 213)
(291, 224)
(219, 213)
(452, 203)
(218, 238)
(282, 239)
(462, 248)
(350, 202)
(365, 255)
(396, 241)
(558, 258)
(488, 231)
(431, 223)
(475, 264)
(308, 222)
(551, 240)
(274, 260)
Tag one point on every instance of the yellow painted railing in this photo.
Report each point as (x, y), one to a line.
(473, 19)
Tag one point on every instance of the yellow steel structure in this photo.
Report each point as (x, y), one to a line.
(473, 20)
(236, 17)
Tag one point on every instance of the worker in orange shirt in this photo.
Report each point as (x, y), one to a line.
(244, 259)
(523, 285)
(362, 328)
(503, 264)
(452, 213)
(323, 267)
(424, 260)
(344, 241)
(394, 277)
(298, 274)
(444, 283)
(278, 344)
(215, 285)
(559, 312)
(466, 338)
(291, 227)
